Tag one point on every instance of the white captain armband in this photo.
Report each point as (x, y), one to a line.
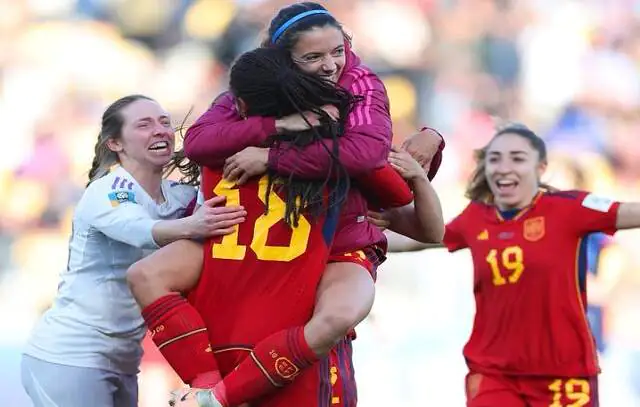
(597, 203)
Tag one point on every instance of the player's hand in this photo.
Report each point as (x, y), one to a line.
(246, 164)
(423, 146)
(211, 219)
(296, 122)
(378, 219)
(409, 168)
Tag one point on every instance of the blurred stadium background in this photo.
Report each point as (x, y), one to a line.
(569, 69)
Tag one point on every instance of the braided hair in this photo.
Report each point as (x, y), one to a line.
(268, 83)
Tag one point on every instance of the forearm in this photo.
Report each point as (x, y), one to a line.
(168, 231)
(628, 216)
(422, 221)
(220, 132)
(209, 144)
(358, 154)
(397, 243)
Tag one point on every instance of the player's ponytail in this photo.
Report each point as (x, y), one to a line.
(111, 128)
(269, 84)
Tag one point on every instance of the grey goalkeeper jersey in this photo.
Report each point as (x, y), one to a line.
(94, 320)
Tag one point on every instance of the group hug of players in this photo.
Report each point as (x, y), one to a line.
(252, 292)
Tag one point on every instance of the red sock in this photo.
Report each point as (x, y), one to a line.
(274, 362)
(180, 334)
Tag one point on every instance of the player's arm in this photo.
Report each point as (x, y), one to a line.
(385, 188)
(455, 236)
(422, 220)
(220, 132)
(362, 148)
(628, 215)
(426, 147)
(588, 213)
(119, 216)
(397, 243)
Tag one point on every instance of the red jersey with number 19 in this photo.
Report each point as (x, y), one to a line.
(263, 277)
(530, 283)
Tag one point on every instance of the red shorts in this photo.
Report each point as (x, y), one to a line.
(484, 390)
(328, 383)
(370, 258)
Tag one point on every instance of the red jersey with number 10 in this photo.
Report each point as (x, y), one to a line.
(530, 283)
(263, 277)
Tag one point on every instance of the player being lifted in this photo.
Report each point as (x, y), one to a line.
(316, 44)
(253, 305)
(531, 345)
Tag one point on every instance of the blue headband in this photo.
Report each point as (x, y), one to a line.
(294, 20)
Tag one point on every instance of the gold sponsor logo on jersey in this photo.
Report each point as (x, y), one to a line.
(484, 235)
(533, 229)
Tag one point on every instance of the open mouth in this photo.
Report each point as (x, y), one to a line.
(506, 186)
(160, 147)
(333, 77)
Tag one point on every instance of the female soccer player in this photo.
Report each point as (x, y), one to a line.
(86, 349)
(318, 45)
(254, 82)
(531, 345)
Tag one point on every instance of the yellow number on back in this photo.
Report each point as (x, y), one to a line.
(511, 259)
(576, 390)
(230, 249)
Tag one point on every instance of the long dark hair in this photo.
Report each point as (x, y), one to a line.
(478, 186)
(268, 84)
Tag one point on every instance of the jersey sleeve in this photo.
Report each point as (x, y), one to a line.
(454, 232)
(363, 147)
(117, 214)
(220, 132)
(384, 188)
(588, 213)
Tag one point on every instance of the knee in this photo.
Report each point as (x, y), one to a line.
(141, 275)
(338, 320)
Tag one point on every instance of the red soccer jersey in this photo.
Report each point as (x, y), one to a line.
(529, 283)
(262, 278)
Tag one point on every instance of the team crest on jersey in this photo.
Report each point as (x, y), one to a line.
(533, 229)
(285, 368)
(118, 197)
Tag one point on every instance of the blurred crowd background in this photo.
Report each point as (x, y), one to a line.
(568, 69)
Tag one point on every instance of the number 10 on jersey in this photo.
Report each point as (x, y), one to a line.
(230, 249)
